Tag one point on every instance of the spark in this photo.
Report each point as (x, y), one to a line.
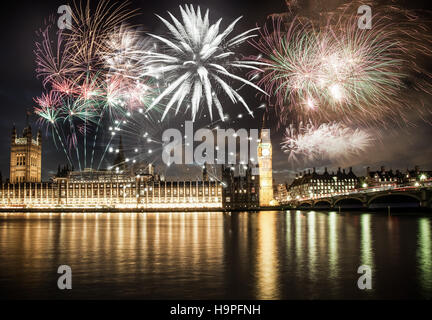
(329, 141)
(197, 60)
(337, 71)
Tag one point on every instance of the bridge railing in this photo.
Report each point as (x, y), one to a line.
(367, 190)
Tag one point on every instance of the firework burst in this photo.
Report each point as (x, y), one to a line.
(197, 60)
(84, 90)
(91, 33)
(339, 71)
(48, 107)
(125, 52)
(52, 60)
(328, 141)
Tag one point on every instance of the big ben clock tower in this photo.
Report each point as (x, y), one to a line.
(265, 167)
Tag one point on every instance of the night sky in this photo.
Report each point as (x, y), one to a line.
(398, 148)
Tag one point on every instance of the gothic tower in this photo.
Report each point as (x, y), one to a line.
(205, 172)
(25, 157)
(265, 166)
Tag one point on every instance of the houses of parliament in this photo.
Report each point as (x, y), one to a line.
(25, 157)
(126, 188)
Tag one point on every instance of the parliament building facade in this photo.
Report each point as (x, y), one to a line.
(120, 188)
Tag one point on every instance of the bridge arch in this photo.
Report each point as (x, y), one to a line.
(323, 204)
(394, 200)
(305, 204)
(349, 202)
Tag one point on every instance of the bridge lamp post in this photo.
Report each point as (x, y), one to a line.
(364, 185)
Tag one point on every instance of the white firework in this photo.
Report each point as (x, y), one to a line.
(124, 53)
(196, 61)
(330, 141)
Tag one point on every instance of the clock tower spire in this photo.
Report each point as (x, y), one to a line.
(265, 166)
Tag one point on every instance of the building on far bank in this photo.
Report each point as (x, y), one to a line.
(389, 178)
(25, 156)
(281, 193)
(312, 184)
(383, 178)
(240, 191)
(129, 184)
(416, 176)
(99, 189)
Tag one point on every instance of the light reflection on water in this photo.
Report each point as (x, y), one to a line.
(265, 255)
(366, 240)
(425, 254)
(267, 265)
(333, 245)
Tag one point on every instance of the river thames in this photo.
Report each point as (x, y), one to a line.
(264, 255)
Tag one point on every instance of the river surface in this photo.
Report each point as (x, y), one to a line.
(264, 255)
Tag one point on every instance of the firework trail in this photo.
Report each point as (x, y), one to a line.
(328, 141)
(51, 56)
(95, 72)
(91, 32)
(89, 37)
(337, 71)
(197, 60)
(125, 51)
(49, 113)
(141, 134)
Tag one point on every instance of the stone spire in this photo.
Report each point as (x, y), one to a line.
(14, 135)
(205, 173)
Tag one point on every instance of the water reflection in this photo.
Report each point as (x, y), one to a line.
(298, 242)
(266, 258)
(366, 240)
(265, 255)
(332, 244)
(288, 231)
(312, 246)
(425, 255)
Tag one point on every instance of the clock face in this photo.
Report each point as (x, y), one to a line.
(266, 152)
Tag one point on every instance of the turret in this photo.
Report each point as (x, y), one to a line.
(39, 138)
(27, 133)
(205, 173)
(14, 135)
(25, 155)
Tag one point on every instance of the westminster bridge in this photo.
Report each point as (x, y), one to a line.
(381, 198)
